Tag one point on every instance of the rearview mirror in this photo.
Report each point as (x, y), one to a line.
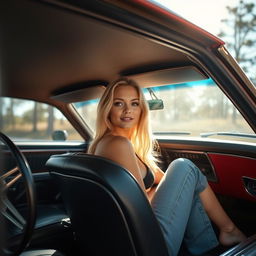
(155, 104)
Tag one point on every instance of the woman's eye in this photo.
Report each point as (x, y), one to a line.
(118, 104)
(135, 104)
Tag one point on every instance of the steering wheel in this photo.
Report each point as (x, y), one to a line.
(9, 213)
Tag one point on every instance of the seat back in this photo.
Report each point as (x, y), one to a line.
(109, 212)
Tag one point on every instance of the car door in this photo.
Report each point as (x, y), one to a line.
(200, 123)
(39, 131)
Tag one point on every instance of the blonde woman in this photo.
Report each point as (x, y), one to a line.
(181, 198)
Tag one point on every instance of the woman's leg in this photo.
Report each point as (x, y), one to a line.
(179, 210)
(229, 233)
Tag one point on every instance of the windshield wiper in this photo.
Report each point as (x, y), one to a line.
(172, 133)
(236, 134)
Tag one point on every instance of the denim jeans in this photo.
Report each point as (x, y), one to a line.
(179, 210)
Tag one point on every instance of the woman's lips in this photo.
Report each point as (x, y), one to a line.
(126, 119)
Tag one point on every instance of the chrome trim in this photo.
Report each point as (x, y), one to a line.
(227, 56)
(242, 248)
(245, 186)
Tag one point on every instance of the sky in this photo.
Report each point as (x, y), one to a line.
(206, 14)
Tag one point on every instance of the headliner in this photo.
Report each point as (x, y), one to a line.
(46, 48)
(49, 45)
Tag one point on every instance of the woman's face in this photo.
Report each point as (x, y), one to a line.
(126, 110)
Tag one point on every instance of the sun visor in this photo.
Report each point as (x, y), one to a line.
(82, 94)
(169, 76)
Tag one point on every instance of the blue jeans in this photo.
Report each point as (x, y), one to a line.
(179, 210)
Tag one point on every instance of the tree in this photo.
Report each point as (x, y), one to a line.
(10, 118)
(240, 37)
(50, 120)
(35, 117)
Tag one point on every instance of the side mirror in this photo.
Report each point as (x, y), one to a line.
(60, 135)
(155, 104)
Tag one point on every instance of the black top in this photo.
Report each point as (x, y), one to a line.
(149, 179)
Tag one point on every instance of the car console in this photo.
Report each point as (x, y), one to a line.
(246, 248)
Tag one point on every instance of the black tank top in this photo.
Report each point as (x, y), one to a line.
(149, 178)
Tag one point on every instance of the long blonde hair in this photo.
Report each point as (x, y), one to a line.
(141, 138)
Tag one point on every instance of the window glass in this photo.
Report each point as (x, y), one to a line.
(88, 111)
(197, 108)
(29, 121)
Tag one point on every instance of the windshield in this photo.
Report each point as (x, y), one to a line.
(197, 108)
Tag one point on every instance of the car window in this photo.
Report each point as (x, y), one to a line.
(26, 120)
(88, 111)
(197, 108)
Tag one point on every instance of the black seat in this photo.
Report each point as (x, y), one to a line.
(109, 212)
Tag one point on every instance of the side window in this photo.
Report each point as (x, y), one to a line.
(198, 108)
(195, 109)
(28, 120)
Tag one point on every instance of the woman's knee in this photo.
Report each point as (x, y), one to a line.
(183, 167)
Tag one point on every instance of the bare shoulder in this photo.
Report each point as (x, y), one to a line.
(120, 150)
(120, 142)
(114, 145)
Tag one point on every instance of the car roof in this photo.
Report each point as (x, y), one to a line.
(54, 47)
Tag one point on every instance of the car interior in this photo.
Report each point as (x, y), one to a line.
(59, 56)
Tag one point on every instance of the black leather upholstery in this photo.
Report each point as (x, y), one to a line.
(51, 230)
(109, 212)
(46, 252)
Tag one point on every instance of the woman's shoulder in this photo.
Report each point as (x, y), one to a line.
(119, 140)
(113, 143)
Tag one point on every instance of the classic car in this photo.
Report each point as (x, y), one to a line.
(57, 57)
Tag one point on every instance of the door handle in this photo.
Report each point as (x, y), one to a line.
(250, 185)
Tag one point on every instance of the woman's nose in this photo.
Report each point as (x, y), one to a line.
(127, 109)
